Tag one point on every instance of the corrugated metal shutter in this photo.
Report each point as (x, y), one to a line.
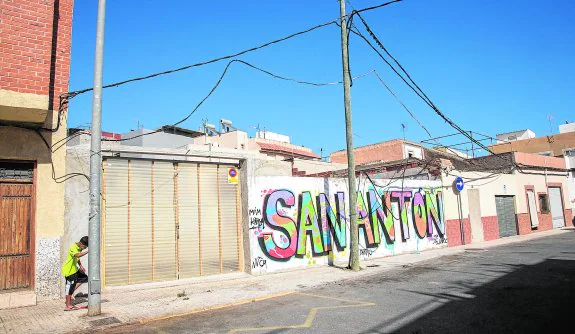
(189, 242)
(556, 207)
(168, 220)
(116, 222)
(228, 199)
(140, 221)
(209, 220)
(164, 222)
(505, 206)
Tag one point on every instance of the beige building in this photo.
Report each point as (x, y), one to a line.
(560, 145)
(519, 194)
(504, 194)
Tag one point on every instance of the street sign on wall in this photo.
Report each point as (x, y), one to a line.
(233, 175)
(459, 184)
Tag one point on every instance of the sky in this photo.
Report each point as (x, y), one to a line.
(491, 66)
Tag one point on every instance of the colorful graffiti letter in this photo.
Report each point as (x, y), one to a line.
(419, 215)
(434, 213)
(308, 225)
(278, 222)
(363, 222)
(380, 217)
(403, 199)
(330, 222)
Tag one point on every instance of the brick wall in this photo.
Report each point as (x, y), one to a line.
(545, 222)
(453, 228)
(386, 151)
(523, 223)
(35, 46)
(569, 218)
(490, 228)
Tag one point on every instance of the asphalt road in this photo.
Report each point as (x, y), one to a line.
(526, 287)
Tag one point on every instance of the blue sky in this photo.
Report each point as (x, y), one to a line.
(491, 66)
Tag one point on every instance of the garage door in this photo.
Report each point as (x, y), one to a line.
(167, 221)
(556, 207)
(505, 206)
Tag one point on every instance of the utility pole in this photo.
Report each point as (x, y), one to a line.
(354, 244)
(94, 283)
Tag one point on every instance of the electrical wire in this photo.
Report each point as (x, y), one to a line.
(417, 89)
(116, 84)
(63, 178)
(219, 81)
(410, 112)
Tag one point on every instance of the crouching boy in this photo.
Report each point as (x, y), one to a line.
(74, 272)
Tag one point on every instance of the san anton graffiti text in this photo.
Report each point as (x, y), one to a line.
(324, 222)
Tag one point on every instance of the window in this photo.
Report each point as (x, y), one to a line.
(544, 203)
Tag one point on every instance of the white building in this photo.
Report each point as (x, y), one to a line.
(515, 135)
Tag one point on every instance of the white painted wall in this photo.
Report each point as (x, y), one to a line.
(316, 166)
(416, 151)
(491, 185)
(263, 209)
(569, 127)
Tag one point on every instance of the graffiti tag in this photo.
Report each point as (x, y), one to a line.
(259, 262)
(366, 252)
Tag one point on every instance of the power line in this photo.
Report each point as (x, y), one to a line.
(116, 84)
(402, 104)
(219, 81)
(423, 96)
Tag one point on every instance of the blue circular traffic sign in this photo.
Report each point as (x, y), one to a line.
(459, 184)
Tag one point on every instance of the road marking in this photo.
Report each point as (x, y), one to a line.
(311, 315)
(205, 309)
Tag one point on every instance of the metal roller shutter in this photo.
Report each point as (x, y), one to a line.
(209, 220)
(188, 214)
(116, 222)
(505, 206)
(165, 221)
(140, 222)
(164, 242)
(228, 199)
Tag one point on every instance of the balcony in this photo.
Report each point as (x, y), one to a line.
(23, 108)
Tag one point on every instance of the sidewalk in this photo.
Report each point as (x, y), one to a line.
(129, 305)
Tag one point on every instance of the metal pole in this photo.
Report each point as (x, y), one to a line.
(354, 246)
(94, 283)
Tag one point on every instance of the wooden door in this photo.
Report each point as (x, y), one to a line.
(16, 262)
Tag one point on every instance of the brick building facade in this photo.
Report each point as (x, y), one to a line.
(35, 43)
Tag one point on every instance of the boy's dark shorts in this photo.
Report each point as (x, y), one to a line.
(73, 280)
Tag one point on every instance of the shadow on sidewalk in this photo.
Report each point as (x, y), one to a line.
(530, 298)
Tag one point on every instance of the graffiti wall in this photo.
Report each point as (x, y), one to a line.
(297, 222)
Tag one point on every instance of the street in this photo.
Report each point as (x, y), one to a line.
(523, 287)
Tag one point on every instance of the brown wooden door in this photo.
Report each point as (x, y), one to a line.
(16, 262)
